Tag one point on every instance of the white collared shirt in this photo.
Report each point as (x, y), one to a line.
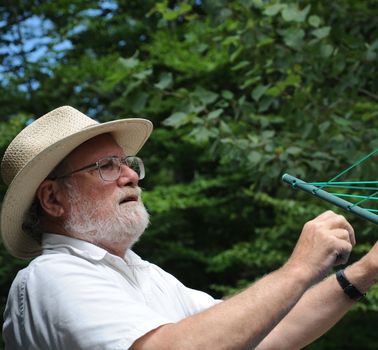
(78, 296)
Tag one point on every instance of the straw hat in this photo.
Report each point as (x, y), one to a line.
(38, 149)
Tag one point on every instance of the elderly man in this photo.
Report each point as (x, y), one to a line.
(73, 201)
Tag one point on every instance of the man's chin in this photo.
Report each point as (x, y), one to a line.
(134, 240)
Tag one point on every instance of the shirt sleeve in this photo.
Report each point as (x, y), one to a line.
(68, 305)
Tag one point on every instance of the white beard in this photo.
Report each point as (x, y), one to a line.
(97, 223)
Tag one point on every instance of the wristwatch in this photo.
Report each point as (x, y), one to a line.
(349, 289)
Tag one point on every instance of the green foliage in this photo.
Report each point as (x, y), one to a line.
(240, 92)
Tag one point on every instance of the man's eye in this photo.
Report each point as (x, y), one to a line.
(108, 165)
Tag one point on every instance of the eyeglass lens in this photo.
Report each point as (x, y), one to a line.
(110, 168)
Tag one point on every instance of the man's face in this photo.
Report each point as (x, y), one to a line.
(103, 212)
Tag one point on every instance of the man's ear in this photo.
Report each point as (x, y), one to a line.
(50, 198)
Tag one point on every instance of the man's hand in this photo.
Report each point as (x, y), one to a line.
(325, 241)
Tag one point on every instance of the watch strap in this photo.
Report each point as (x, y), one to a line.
(349, 289)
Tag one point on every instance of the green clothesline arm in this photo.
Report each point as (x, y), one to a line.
(350, 207)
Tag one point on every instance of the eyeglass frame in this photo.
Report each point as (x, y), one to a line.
(96, 166)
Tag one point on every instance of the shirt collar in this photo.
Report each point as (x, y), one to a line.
(52, 242)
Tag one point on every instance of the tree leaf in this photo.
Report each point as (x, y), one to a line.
(215, 114)
(205, 96)
(254, 157)
(273, 10)
(292, 13)
(259, 91)
(227, 94)
(177, 119)
(293, 37)
(321, 33)
(314, 21)
(165, 81)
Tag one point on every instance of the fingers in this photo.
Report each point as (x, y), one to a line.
(325, 215)
(335, 221)
(344, 234)
(340, 222)
(343, 231)
(343, 252)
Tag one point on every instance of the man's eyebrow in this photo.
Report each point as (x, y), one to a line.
(112, 156)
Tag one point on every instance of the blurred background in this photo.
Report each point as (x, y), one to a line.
(240, 92)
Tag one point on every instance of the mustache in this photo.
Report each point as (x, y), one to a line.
(130, 193)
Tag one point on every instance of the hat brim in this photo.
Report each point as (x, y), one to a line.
(130, 134)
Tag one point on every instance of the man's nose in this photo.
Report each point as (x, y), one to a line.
(128, 176)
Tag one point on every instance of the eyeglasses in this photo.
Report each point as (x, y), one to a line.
(109, 168)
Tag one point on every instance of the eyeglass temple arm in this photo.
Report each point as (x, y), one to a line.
(317, 192)
(75, 171)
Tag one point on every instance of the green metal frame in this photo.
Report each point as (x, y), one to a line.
(328, 197)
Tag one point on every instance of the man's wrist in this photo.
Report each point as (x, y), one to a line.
(361, 275)
(304, 277)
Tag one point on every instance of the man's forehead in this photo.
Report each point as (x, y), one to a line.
(99, 146)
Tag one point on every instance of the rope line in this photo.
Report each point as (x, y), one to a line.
(351, 184)
(366, 199)
(354, 196)
(344, 182)
(351, 187)
(353, 165)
